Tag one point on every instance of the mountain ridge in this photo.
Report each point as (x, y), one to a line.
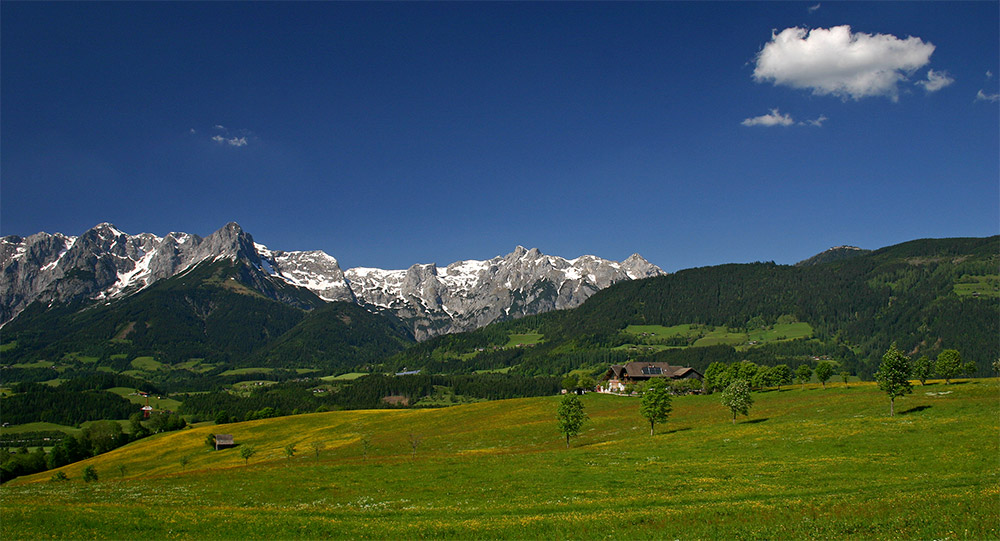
(105, 263)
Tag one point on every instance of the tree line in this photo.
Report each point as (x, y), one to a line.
(366, 392)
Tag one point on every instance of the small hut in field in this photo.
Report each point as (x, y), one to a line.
(224, 440)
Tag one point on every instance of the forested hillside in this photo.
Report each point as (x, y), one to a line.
(209, 314)
(925, 295)
(208, 330)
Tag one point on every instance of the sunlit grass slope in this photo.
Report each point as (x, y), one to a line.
(806, 463)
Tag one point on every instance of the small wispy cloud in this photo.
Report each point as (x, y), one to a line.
(982, 96)
(774, 118)
(231, 141)
(234, 138)
(814, 9)
(818, 122)
(989, 74)
(936, 80)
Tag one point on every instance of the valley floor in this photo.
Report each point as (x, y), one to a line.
(810, 462)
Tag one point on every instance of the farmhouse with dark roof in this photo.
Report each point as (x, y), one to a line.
(620, 375)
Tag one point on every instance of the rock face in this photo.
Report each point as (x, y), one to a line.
(106, 263)
(470, 294)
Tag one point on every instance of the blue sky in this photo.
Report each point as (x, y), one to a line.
(389, 134)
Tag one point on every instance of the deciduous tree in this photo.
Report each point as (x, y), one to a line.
(570, 416)
(824, 371)
(713, 374)
(655, 405)
(948, 365)
(803, 373)
(969, 369)
(246, 451)
(893, 376)
(415, 441)
(922, 369)
(780, 375)
(737, 398)
(317, 446)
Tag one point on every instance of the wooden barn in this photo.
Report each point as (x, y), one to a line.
(224, 440)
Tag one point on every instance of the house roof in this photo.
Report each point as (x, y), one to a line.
(223, 439)
(646, 370)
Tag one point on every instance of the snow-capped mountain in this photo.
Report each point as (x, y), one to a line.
(470, 294)
(105, 263)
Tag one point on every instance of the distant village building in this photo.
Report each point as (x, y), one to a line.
(631, 373)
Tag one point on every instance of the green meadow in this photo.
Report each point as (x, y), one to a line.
(806, 463)
(657, 336)
(527, 339)
(987, 286)
(157, 402)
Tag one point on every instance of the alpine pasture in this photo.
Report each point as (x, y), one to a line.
(806, 462)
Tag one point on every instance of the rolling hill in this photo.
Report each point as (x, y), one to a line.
(806, 463)
(925, 295)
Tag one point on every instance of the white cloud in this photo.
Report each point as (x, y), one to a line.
(813, 9)
(232, 141)
(818, 122)
(240, 139)
(838, 62)
(936, 80)
(982, 96)
(989, 74)
(774, 118)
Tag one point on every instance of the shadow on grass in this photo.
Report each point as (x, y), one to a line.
(754, 421)
(915, 409)
(677, 430)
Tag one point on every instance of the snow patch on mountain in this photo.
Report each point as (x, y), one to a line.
(105, 263)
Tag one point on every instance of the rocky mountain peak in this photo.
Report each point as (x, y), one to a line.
(104, 263)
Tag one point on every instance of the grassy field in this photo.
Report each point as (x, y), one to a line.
(38, 427)
(245, 371)
(158, 403)
(806, 463)
(701, 335)
(528, 339)
(344, 377)
(36, 364)
(986, 286)
(147, 364)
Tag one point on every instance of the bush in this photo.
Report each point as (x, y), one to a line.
(58, 476)
(89, 474)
